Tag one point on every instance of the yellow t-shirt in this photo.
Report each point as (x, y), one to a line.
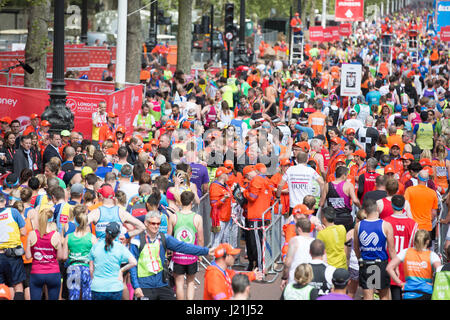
(334, 238)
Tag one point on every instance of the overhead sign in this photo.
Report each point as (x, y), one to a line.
(349, 10)
(351, 79)
(443, 14)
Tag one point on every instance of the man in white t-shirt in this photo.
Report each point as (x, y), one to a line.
(300, 181)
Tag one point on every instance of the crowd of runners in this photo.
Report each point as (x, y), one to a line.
(361, 182)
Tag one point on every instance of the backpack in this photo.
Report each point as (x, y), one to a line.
(334, 114)
(167, 271)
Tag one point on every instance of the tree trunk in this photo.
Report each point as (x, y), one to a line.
(134, 42)
(37, 42)
(184, 36)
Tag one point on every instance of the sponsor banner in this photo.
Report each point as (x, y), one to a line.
(316, 34)
(327, 35)
(345, 29)
(445, 33)
(335, 33)
(19, 103)
(443, 14)
(349, 10)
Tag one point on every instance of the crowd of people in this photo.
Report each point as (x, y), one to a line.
(360, 182)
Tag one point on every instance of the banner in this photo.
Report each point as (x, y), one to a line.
(327, 35)
(345, 29)
(335, 33)
(445, 33)
(20, 103)
(316, 34)
(443, 14)
(349, 10)
(351, 79)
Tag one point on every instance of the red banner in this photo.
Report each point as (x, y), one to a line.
(316, 34)
(327, 35)
(335, 33)
(345, 29)
(349, 10)
(19, 103)
(445, 33)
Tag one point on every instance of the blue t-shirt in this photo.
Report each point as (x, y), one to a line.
(107, 266)
(373, 97)
(102, 171)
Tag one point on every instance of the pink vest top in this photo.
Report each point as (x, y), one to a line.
(44, 255)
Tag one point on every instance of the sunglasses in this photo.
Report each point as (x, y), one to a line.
(155, 223)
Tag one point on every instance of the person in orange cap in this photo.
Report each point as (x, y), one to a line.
(5, 122)
(259, 194)
(218, 276)
(276, 179)
(407, 159)
(390, 173)
(33, 126)
(44, 128)
(120, 135)
(335, 151)
(220, 196)
(359, 168)
(108, 129)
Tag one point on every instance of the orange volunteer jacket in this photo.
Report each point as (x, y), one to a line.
(259, 195)
(217, 191)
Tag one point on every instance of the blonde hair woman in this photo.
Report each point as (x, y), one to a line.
(301, 289)
(77, 246)
(45, 247)
(418, 285)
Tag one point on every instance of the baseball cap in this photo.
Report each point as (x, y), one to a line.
(6, 119)
(395, 145)
(334, 140)
(429, 170)
(106, 192)
(34, 116)
(77, 188)
(4, 292)
(301, 209)
(341, 158)
(248, 169)
(303, 145)
(425, 162)
(261, 167)
(407, 156)
(154, 142)
(341, 277)
(120, 129)
(225, 248)
(350, 131)
(112, 115)
(228, 164)
(360, 153)
(45, 123)
(222, 170)
(285, 162)
(113, 229)
(85, 171)
(65, 133)
(389, 169)
(186, 125)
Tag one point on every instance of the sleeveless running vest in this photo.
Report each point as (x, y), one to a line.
(79, 248)
(185, 231)
(424, 136)
(418, 273)
(387, 209)
(441, 284)
(337, 199)
(372, 241)
(319, 281)
(44, 255)
(107, 215)
(292, 293)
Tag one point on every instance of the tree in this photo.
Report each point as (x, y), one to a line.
(184, 36)
(134, 42)
(37, 43)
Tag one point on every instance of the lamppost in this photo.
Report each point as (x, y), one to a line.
(241, 57)
(152, 41)
(84, 22)
(57, 113)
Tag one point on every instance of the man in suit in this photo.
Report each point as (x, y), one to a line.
(52, 150)
(25, 157)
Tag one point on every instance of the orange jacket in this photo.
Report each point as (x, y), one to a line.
(284, 199)
(259, 195)
(217, 192)
(104, 132)
(218, 283)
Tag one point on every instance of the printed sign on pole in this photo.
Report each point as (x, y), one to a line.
(445, 33)
(316, 34)
(351, 79)
(443, 14)
(345, 29)
(349, 10)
